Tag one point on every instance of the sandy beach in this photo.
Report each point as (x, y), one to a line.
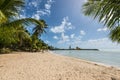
(47, 66)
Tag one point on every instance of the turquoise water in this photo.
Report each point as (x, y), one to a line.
(105, 57)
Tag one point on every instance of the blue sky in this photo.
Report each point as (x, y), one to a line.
(67, 25)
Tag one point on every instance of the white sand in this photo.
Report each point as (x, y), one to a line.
(46, 66)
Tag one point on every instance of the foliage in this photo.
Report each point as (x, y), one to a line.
(13, 35)
(37, 31)
(115, 34)
(5, 50)
(6, 36)
(106, 11)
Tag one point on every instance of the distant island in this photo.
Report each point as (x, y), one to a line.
(77, 48)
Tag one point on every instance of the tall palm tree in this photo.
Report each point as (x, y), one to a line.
(37, 31)
(106, 11)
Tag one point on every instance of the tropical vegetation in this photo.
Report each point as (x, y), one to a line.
(13, 34)
(107, 12)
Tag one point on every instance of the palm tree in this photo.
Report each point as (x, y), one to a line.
(21, 35)
(9, 12)
(106, 11)
(6, 36)
(9, 36)
(37, 31)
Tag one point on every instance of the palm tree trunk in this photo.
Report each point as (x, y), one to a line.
(21, 42)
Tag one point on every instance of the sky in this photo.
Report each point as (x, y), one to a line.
(67, 25)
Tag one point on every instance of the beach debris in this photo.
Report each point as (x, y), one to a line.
(112, 78)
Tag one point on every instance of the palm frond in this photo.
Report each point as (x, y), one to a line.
(115, 34)
(2, 17)
(10, 8)
(107, 11)
(39, 29)
(25, 21)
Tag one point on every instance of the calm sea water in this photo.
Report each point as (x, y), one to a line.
(105, 57)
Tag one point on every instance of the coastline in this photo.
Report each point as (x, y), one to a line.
(50, 66)
(87, 61)
(90, 60)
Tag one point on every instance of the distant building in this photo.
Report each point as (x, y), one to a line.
(77, 48)
(70, 47)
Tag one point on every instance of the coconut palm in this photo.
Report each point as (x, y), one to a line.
(11, 35)
(9, 22)
(21, 35)
(6, 36)
(106, 11)
(37, 31)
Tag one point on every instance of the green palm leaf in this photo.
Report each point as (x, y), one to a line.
(106, 11)
(10, 8)
(3, 18)
(25, 21)
(115, 34)
(10, 25)
(39, 29)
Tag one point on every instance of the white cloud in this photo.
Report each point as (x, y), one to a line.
(47, 6)
(38, 11)
(36, 16)
(72, 35)
(102, 29)
(64, 38)
(48, 42)
(102, 43)
(69, 40)
(33, 3)
(58, 29)
(75, 41)
(55, 37)
(65, 25)
(41, 12)
(82, 32)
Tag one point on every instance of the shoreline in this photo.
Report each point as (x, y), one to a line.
(91, 62)
(50, 66)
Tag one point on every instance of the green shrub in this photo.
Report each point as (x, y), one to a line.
(5, 50)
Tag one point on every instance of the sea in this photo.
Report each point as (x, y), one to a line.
(106, 57)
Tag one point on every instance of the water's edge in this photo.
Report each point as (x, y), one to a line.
(86, 60)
